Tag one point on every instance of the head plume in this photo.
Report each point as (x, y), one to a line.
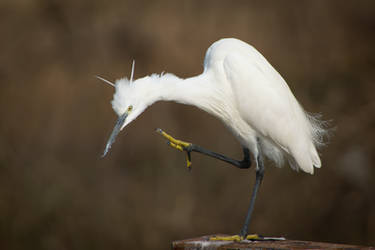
(111, 83)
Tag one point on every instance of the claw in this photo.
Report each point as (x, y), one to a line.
(188, 160)
(177, 144)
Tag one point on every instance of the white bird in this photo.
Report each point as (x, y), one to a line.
(241, 88)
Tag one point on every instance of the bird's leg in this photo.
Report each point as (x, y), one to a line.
(258, 180)
(243, 234)
(190, 147)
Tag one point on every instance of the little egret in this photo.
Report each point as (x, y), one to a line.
(241, 88)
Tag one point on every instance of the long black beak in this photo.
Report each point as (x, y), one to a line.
(120, 122)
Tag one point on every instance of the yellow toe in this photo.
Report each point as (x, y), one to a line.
(252, 237)
(236, 237)
(227, 238)
(173, 145)
(173, 140)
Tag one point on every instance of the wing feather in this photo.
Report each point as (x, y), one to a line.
(267, 104)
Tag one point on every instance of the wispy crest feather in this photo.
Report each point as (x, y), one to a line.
(105, 80)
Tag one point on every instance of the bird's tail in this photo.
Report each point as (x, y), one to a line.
(315, 159)
(306, 156)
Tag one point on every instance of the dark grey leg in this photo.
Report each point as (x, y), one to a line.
(190, 147)
(258, 180)
(245, 163)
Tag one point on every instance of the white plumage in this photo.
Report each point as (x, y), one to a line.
(241, 88)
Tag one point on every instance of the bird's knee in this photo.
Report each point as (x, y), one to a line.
(245, 164)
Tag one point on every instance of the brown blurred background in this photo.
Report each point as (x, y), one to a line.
(56, 192)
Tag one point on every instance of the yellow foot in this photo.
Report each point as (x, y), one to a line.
(177, 144)
(237, 237)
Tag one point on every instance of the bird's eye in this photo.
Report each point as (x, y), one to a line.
(130, 108)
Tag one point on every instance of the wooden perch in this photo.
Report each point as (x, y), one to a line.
(203, 243)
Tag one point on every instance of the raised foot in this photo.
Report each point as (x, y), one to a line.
(237, 237)
(179, 145)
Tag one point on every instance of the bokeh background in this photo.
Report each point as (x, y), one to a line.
(57, 193)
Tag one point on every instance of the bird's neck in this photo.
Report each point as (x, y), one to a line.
(188, 91)
(202, 91)
(197, 91)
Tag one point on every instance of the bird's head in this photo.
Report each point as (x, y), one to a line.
(129, 101)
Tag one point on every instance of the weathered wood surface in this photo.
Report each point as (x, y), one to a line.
(203, 243)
